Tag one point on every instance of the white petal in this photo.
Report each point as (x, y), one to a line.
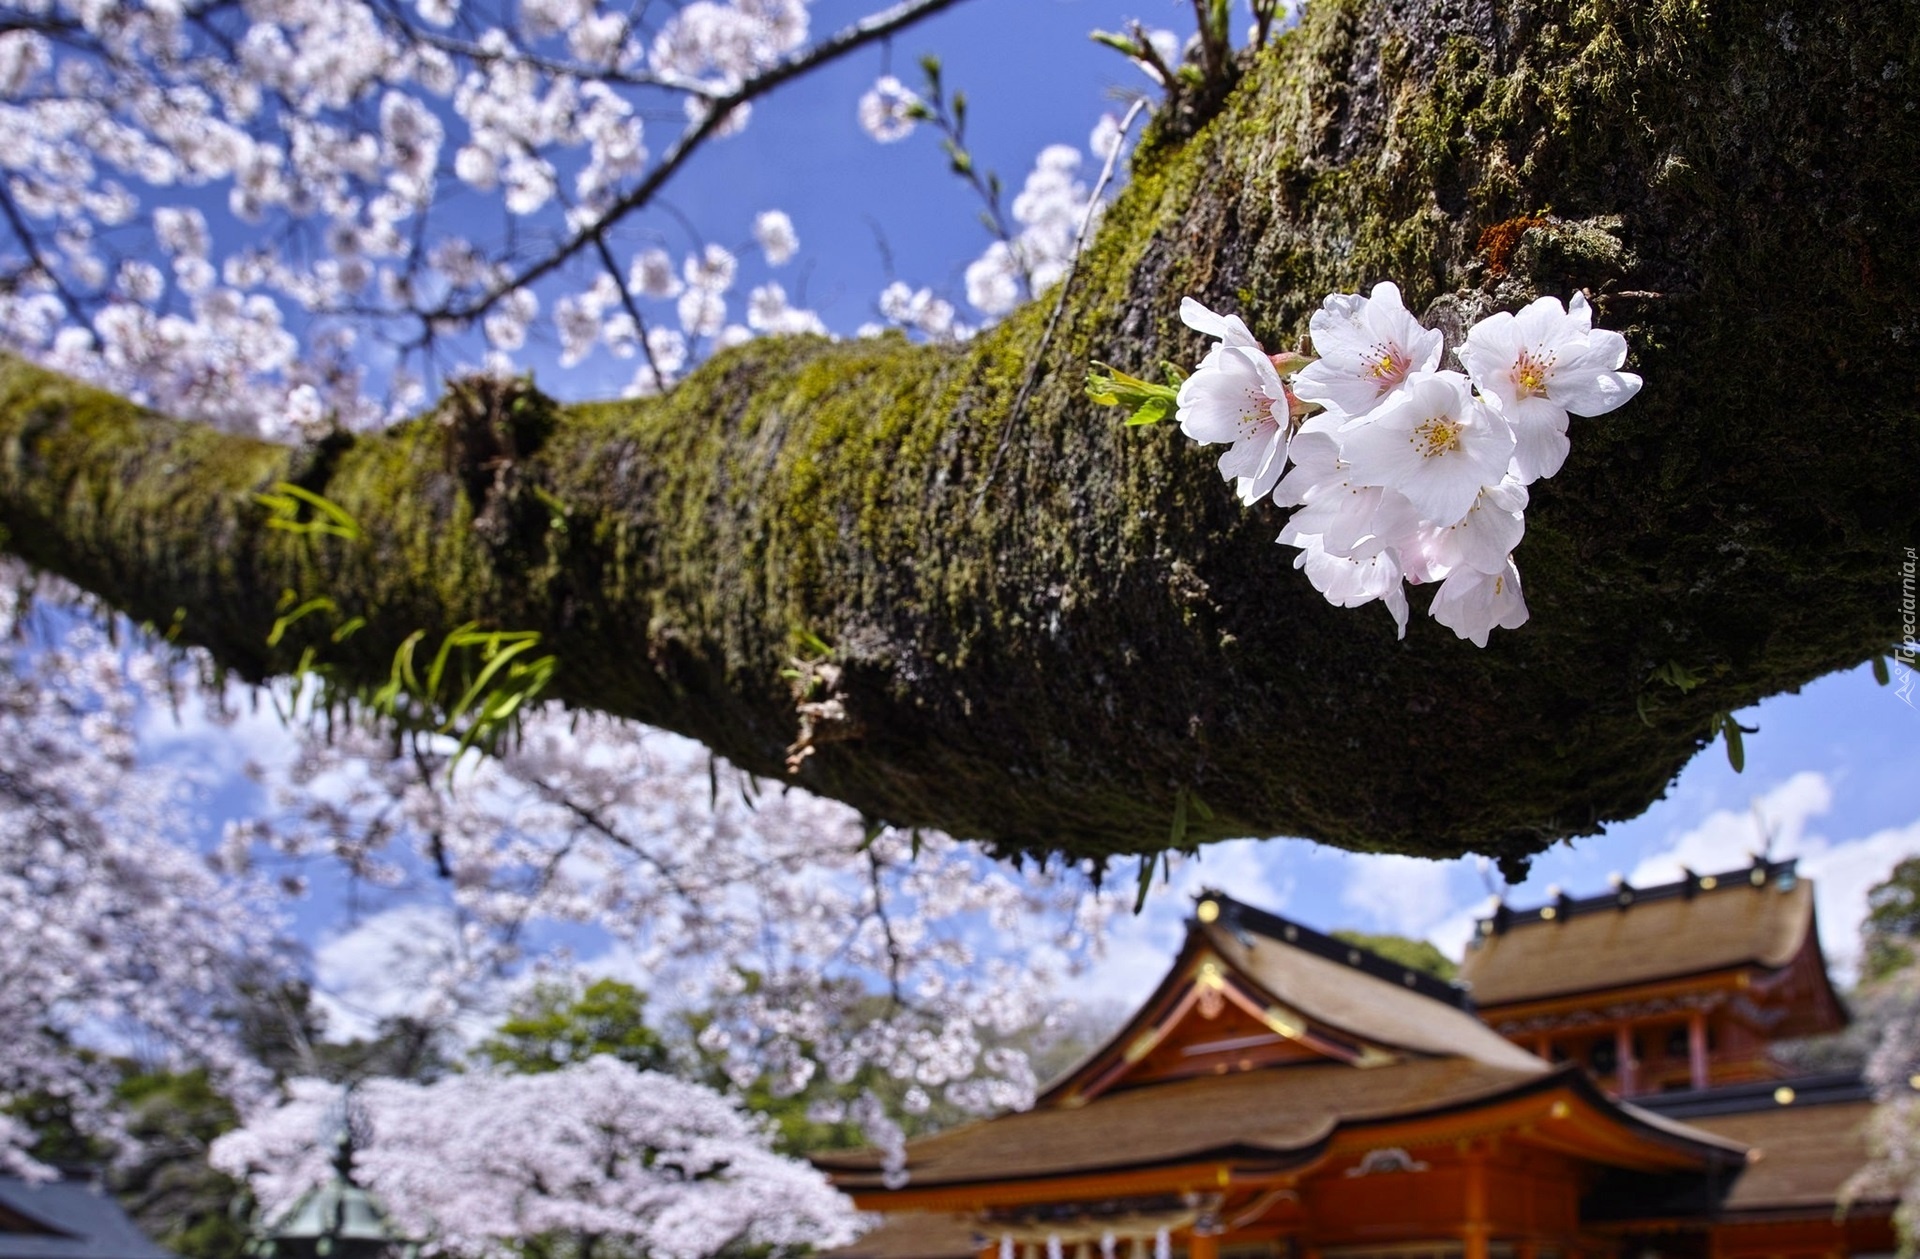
(1472, 603)
(1229, 328)
(1580, 312)
(1492, 349)
(1587, 383)
(1540, 445)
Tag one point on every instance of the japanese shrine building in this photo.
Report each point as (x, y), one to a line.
(1597, 1086)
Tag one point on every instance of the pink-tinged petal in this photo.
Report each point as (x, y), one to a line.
(1489, 354)
(1388, 320)
(1201, 319)
(1589, 383)
(1540, 446)
(1392, 523)
(1489, 532)
(1230, 396)
(1597, 394)
(1368, 348)
(1605, 351)
(1336, 327)
(1472, 603)
(1395, 600)
(1316, 458)
(1348, 392)
(1434, 443)
(1271, 462)
(1348, 583)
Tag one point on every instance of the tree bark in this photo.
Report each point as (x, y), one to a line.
(1059, 634)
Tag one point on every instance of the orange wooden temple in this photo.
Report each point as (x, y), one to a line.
(1604, 1093)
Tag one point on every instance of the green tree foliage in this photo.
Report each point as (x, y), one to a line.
(557, 1025)
(1418, 954)
(166, 1185)
(1891, 931)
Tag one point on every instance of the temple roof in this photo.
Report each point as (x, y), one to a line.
(1341, 985)
(67, 1219)
(1802, 1155)
(1273, 1119)
(1326, 996)
(912, 1235)
(1761, 916)
(1279, 1116)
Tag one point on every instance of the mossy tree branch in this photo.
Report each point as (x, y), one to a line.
(1054, 660)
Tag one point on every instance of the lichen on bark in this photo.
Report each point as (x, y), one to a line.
(1047, 629)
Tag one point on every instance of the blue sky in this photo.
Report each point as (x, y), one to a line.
(1832, 771)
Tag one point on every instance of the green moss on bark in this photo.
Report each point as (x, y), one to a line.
(1049, 626)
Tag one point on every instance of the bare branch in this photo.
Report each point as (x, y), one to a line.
(866, 31)
(76, 310)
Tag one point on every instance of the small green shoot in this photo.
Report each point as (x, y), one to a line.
(1148, 402)
(285, 506)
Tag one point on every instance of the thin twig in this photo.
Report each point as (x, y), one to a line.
(859, 35)
(75, 308)
(633, 312)
(886, 927)
(590, 817)
(1039, 355)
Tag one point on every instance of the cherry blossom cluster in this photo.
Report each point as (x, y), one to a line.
(480, 1163)
(118, 933)
(586, 847)
(683, 875)
(274, 216)
(1400, 471)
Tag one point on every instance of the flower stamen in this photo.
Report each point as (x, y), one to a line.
(1531, 374)
(1388, 364)
(1436, 437)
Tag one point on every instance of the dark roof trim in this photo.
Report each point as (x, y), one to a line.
(1237, 916)
(1710, 1150)
(1760, 874)
(1828, 1089)
(1240, 1155)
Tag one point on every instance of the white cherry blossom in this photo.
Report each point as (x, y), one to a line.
(1351, 583)
(481, 1162)
(1433, 442)
(1368, 347)
(777, 239)
(1540, 366)
(887, 110)
(1236, 396)
(1472, 603)
(1484, 538)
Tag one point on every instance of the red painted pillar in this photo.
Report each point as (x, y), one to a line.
(1623, 1063)
(1697, 1047)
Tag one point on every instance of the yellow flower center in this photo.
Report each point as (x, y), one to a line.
(1436, 437)
(1387, 364)
(1531, 374)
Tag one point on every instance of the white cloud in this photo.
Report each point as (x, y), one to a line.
(1405, 895)
(1842, 875)
(1136, 957)
(1842, 872)
(392, 963)
(1453, 932)
(1727, 839)
(1252, 871)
